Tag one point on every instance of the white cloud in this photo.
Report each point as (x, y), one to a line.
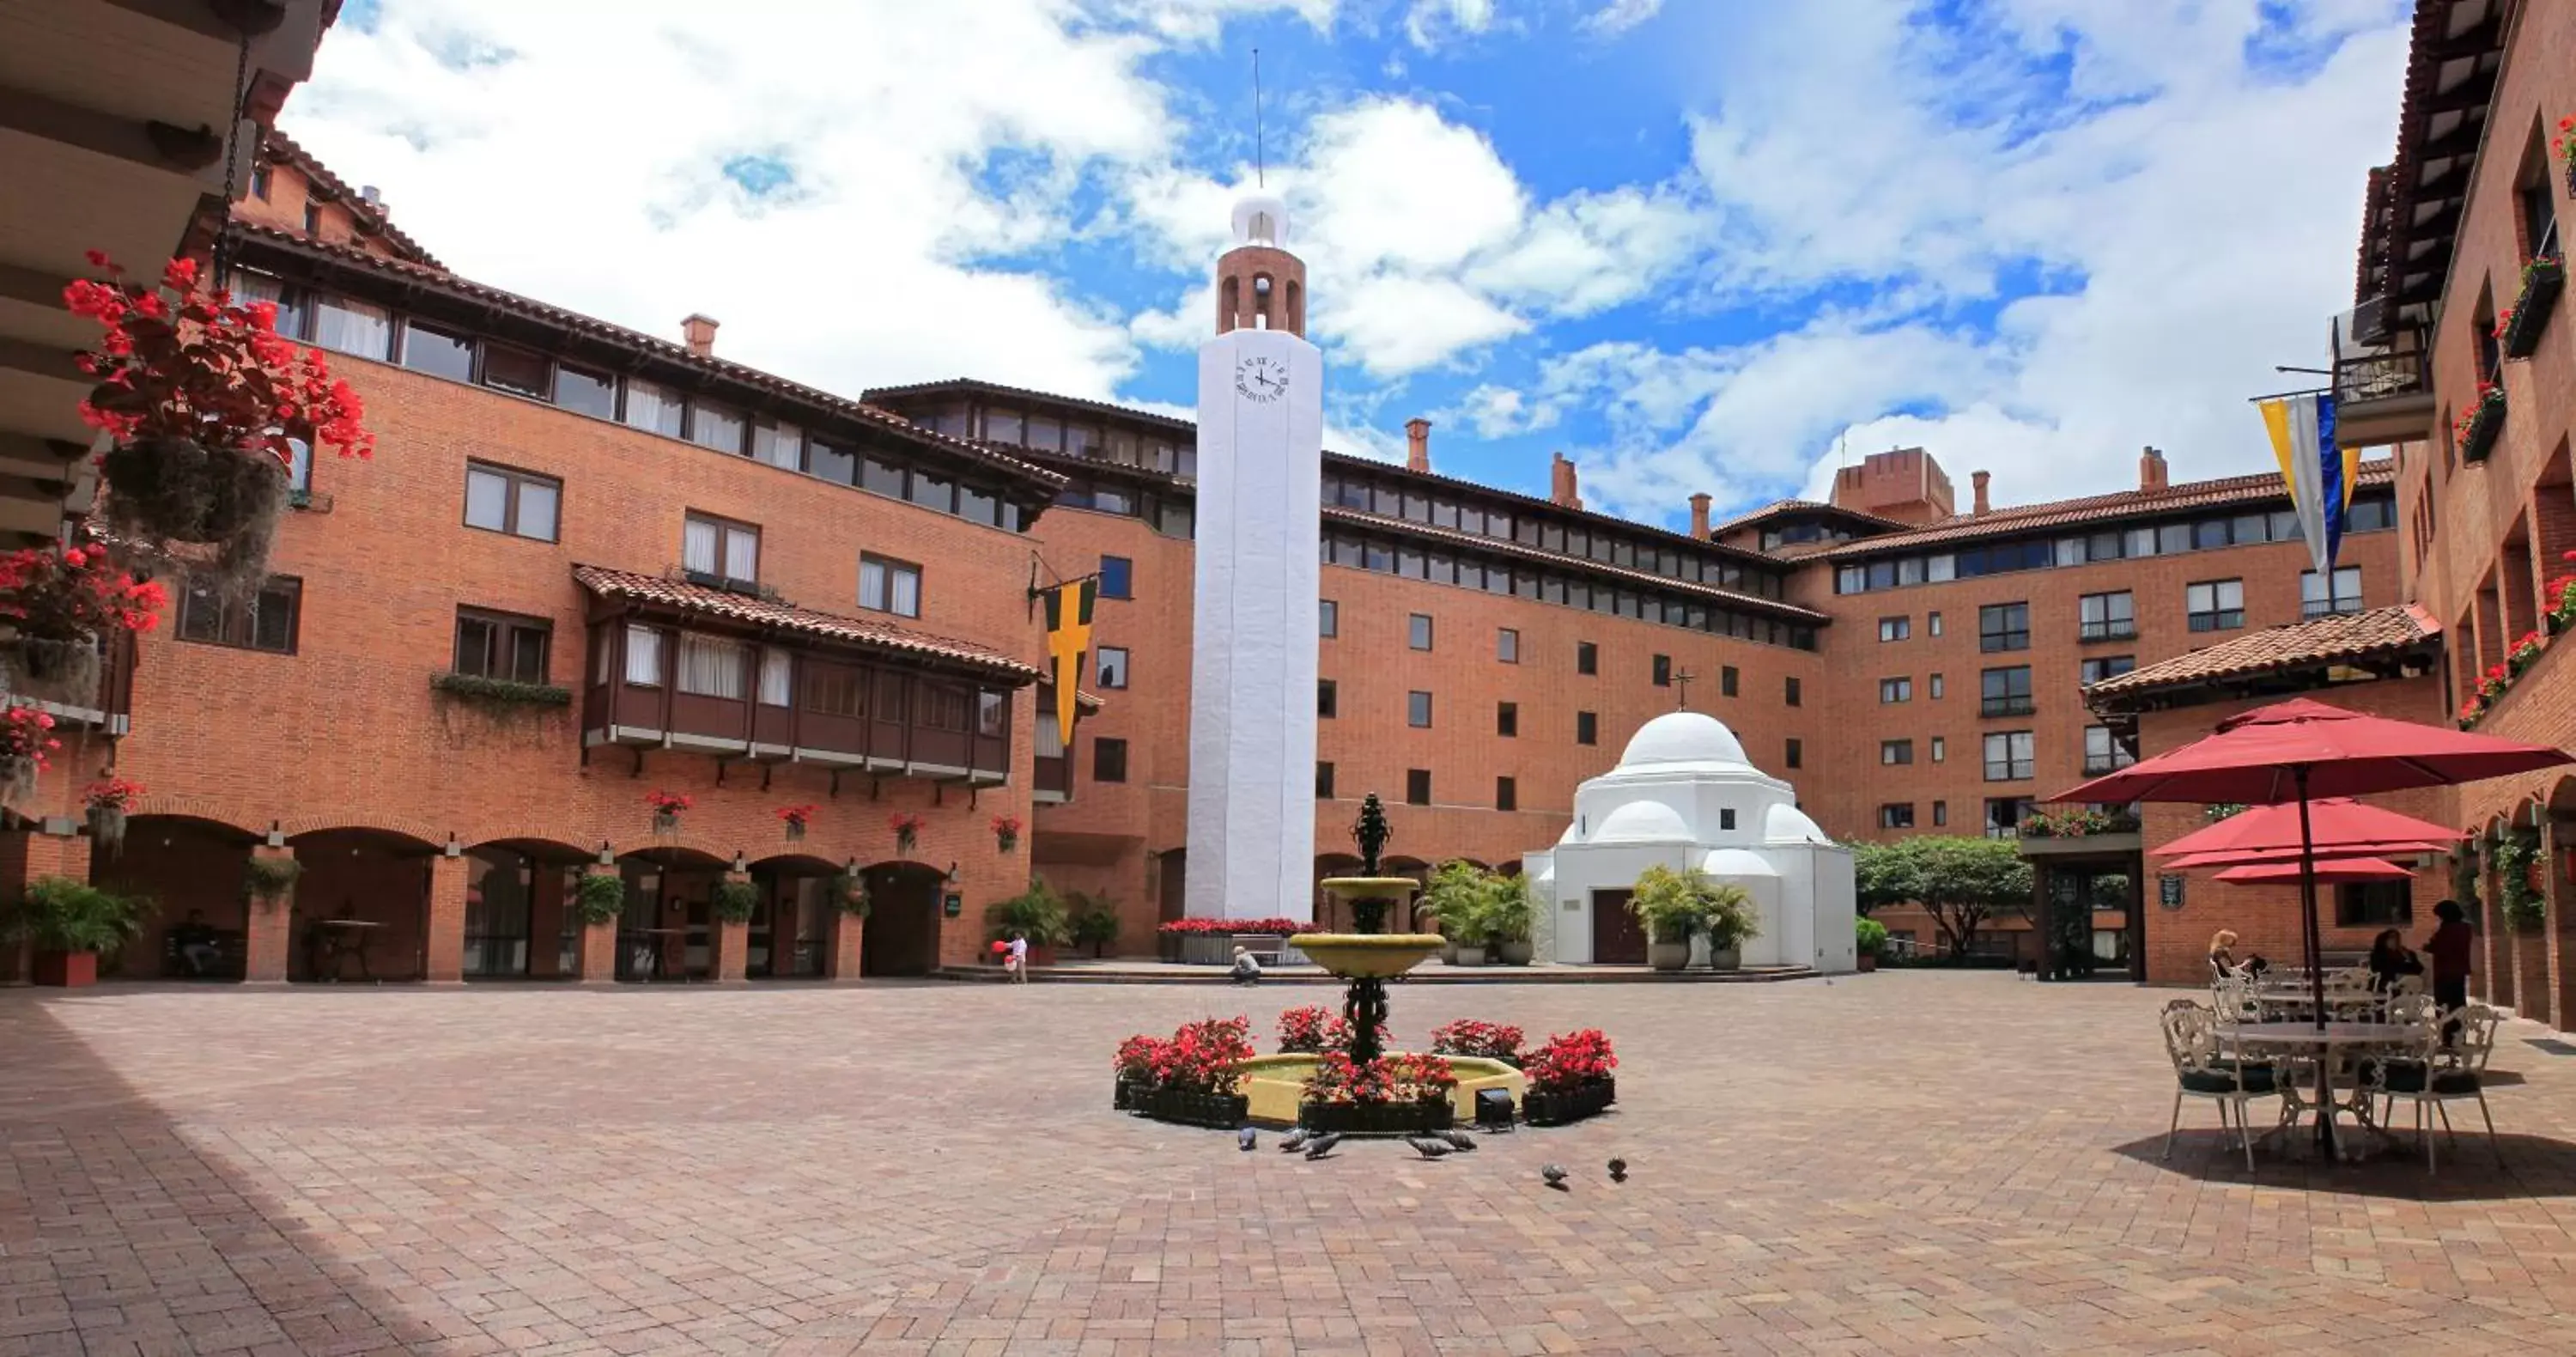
(1501, 412)
(1202, 21)
(1621, 15)
(1429, 22)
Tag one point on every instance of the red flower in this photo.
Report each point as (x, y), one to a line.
(796, 815)
(1313, 1029)
(113, 793)
(1569, 1061)
(1467, 1036)
(1007, 825)
(75, 592)
(667, 803)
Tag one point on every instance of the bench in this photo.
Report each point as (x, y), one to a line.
(1266, 948)
(232, 948)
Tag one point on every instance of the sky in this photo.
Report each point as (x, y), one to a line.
(1696, 245)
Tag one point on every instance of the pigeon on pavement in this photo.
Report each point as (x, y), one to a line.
(1294, 1140)
(1429, 1147)
(1618, 1170)
(1323, 1144)
(1245, 1137)
(1458, 1140)
(1555, 1176)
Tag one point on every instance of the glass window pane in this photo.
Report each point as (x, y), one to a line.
(643, 655)
(273, 619)
(883, 477)
(779, 445)
(487, 499)
(1001, 425)
(528, 654)
(742, 554)
(517, 371)
(698, 540)
(715, 427)
(473, 646)
(353, 327)
(588, 393)
(974, 505)
(1044, 434)
(537, 509)
(437, 352)
(774, 670)
(931, 492)
(650, 408)
(907, 593)
(831, 463)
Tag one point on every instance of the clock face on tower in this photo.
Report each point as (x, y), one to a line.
(1260, 379)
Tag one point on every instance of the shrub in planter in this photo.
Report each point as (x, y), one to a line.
(1038, 914)
(1489, 1040)
(70, 923)
(1869, 937)
(600, 898)
(267, 880)
(1675, 906)
(1729, 920)
(207, 406)
(1570, 1077)
(734, 901)
(1192, 1078)
(1095, 923)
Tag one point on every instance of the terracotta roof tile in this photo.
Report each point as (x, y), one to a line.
(1767, 606)
(371, 216)
(2254, 489)
(862, 633)
(1783, 508)
(2351, 636)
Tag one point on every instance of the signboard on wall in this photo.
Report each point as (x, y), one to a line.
(952, 904)
(2169, 891)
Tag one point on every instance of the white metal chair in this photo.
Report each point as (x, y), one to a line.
(2191, 1038)
(2233, 998)
(2435, 1073)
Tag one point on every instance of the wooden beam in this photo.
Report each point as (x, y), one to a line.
(200, 16)
(44, 360)
(152, 143)
(36, 287)
(39, 459)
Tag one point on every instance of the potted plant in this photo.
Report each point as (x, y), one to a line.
(1037, 914)
(1455, 896)
(600, 898)
(26, 748)
(268, 881)
(1727, 916)
(1569, 1078)
(850, 894)
(907, 830)
(1668, 905)
(1389, 1095)
(1870, 939)
(1006, 832)
(70, 923)
(2518, 329)
(206, 405)
(107, 802)
(1312, 1030)
(734, 900)
(1133, 1068)
(1193, 1078)
(1509, 919)
(2474, 432)
(1095, 923)
(59, 602)
(796, 818)
(667, 807)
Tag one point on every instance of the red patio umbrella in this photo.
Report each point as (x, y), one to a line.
(2340, 852)
(2351, 869)
(2334, 822)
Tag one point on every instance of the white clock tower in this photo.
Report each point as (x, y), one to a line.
(1252, 655)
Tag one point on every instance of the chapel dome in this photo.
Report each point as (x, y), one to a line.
(1788, 824)
(1735, 862)
(1682, 737)
(1641, 822)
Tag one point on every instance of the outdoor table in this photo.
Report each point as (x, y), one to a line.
(2273, 1040)
(343, 939)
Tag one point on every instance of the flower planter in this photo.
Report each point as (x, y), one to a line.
(665, 823)
(2484, 427)
(107, 827)
(1668, 956)
(1469, 956)
(1869, 961)
(2544, 279)
(1726, 958)
(1217, 949)
(1514, 953)
(1430, 1114)
(183, 491)
(1542, 1107)
(1224, 1111)
(1124, 1094)
(66, 970)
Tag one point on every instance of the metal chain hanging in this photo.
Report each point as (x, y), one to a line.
(223, 247)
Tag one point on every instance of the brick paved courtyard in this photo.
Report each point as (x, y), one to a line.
(1898, 1163)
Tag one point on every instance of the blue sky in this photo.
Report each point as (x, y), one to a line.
(1696, 244)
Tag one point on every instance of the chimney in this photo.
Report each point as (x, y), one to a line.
(1561, 484)
(1699, 516)
(368, 195)
(700, 332)
(1417, 444)
(2151, 470)
(1979, 479)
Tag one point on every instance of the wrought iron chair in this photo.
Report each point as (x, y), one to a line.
(2233, 997)
(2191, 1039)
(2436, 1072)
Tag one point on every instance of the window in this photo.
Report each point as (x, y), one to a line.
(2218, 605)
(2006, 692)
(1417, 631)
(2102, 753)
(498, 499)
(1895, 751)
(518, 372)
(643, 656)
(1940, 749)
(2107, 617)
(2011, 756)
(1507, 719)
(1587, 658)
(1113, 666)
(1417, 786)
(1108, 760)
(501, 646)
(1932, 623)
(344, 326)
(710, 667)
(652, 409)
(779, 444)
(1117, 577)
(1587, 728)
(1896, 816)
(262, 175)
(1663, 671)
(2374, 904)
(1417, 710)
(2108, 666)
(2322, 598)
(1895, 690)
(585, 393)
(299, 470)
(889, 586)
(313, 220)
(844, 692)
(777, 686)
(1507, 646)
(437, 352)
(1323, 781)
(1792, 691)
(1507, 794)
(1328, 698)
(715, 428)
(1796, 752)
(719, 548)
(267, 622)
(1936, 687)
(1726, 680)
(1328, 618)
(1940, 813)
(1895, 628)
(1726, 817)
(2003, 626)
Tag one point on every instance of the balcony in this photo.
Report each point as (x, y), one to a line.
(2005, 706)
(2089, 632)
(2383, 384)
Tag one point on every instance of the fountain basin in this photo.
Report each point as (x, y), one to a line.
(1369, 955)
(1273, 1085)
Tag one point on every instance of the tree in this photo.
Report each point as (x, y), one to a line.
(1961, 882)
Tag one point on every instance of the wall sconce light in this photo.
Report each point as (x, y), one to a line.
(276, 835)
(454, 849)
(607, 855)
(737, 859)
(952, 873)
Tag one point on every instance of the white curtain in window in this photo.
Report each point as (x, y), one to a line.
(779, 445)
(643, 655)
(711, 668)
(742, 554)
(698, 546)
(773, 678)
(299, 470)
(907, 592)
(1049, 745)
(649, 407)
(353, 327)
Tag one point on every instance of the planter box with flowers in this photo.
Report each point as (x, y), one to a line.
(1006, 832)
(27, 744)
(667, 807)
(107, 802)
(58, 603)
(2526, 651)
(1211, 942)
(1191, 1078)
(1484, 1040)
(1570, 1078)
(2520, 327)
(796, 818)
(1391, 1095)
(2477, 428)
(206, 405)
(907, 828)
(1312, 1030)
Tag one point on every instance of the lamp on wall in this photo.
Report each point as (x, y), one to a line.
(454, 849)
(607, 855)
(952, 873)
(737, 859)
(276, 835)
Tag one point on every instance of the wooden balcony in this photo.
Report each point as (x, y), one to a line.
(2384, 395)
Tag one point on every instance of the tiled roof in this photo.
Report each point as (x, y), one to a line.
(2254, 489)
(1785, 508)
(372, 217)
(442, 281)
(862, 633)
(2371, 634)
(1718, 593)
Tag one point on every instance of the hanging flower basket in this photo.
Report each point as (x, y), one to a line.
(850, 892)
(108, 801)
(734, 901)
(1006, 832)
(666, 811)
(208, 407)
(796, 818)
(26, 746)
(59, 601)
(2519, 329)
(268, 880)
(907, 830)
(2477, 429)
(600, 898)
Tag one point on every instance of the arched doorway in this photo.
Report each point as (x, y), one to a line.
(519, 923)
(901, 936)
(791, 929)
(665, 932)
(193, 869)
(361, 906)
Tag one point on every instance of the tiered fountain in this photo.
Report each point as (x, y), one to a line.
(1275, 1084)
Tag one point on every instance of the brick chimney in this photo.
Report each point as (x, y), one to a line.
(1699, 516)
(1561, 485)
(1979, 480)
(1417, 444)
(2151, 470)
(700, 333)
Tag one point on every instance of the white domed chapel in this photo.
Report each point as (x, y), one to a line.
(1685, 796)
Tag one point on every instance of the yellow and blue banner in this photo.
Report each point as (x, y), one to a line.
(2318, 475)
(1068, 631)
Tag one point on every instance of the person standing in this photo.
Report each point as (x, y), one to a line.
(1016, 961)
(2449, 949)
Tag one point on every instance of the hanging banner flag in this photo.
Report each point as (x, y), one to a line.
(2318, 475)
(1068, 622)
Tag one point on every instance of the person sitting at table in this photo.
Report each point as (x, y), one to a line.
(2222, 952)
(196, 943)
(2449, 947)
(2390, 959)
